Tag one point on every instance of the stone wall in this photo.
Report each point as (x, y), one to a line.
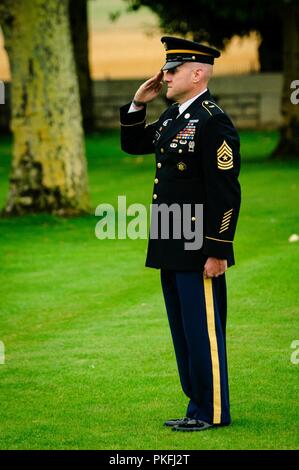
(252, 101)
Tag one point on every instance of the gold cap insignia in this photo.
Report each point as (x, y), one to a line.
(225, 157)
(165, 46)
(181, 166)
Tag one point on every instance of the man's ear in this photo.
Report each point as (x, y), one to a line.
(197, 75)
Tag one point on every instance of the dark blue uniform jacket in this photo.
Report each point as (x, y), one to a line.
(197, 162)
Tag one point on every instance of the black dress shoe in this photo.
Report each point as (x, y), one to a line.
(192, 425)
(175, 422)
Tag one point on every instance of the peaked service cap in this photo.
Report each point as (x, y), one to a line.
(180, 50)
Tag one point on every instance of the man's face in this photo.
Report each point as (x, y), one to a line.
(180, 82)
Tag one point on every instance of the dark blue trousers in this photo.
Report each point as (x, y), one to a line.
(196, 309)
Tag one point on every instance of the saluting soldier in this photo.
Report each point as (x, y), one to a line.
(197, 164)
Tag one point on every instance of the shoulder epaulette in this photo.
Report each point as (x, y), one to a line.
(211, 107)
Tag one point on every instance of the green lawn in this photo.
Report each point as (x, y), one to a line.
(89, 359)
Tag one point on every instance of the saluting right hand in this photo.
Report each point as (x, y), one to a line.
(150, 89)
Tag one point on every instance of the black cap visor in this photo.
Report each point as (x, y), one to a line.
(171, 65)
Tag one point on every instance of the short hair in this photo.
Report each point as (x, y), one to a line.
(207, 69)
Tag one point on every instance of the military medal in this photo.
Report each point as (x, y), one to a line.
(191, 145)
(181, 166)
(187, 133)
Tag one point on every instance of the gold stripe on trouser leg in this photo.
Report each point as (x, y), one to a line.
(208, 289)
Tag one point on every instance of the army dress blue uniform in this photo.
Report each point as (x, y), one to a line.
(197, 162)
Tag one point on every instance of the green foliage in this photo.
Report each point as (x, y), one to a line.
(214, 21)
(89, 360)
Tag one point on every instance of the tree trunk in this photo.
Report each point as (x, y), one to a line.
(79, 32)
(288, 145)
(49, 166)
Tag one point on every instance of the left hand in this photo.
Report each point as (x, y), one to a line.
(214, 267)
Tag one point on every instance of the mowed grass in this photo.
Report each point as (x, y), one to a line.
(89, 360)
